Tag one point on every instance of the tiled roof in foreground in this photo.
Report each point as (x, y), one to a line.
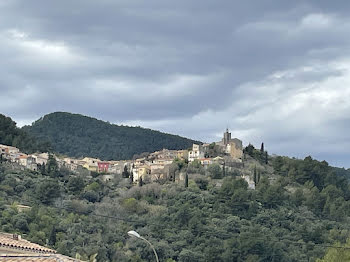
(15, 242)
(14, 248)
(37, 258)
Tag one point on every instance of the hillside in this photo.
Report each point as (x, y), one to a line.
(11, 135)
(296, 216)
(77, 135)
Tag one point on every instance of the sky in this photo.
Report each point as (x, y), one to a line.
(276, 72)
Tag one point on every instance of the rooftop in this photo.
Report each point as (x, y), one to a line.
(37, 258)
(14, 248)
(16, 242)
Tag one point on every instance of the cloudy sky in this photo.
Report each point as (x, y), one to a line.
(272, 71)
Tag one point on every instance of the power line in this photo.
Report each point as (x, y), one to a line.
(198, 232)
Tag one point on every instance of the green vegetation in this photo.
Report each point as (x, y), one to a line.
(11, 135)
(295, 216)
(76, 136)
(341, 252)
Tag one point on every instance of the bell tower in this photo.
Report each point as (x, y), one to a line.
(227, 137)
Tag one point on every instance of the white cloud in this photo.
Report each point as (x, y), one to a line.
(317, 21)
(40, 50)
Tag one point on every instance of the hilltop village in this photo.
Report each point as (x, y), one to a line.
(156, 166)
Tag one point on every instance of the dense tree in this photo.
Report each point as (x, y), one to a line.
(340, 253)
(215, 171)
(75, 184)
(47, 191)
(11, 135)
(76, 135)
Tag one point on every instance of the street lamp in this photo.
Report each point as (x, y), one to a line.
(133, 233)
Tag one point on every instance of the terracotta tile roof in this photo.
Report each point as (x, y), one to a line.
(10, 241)
(37, 258)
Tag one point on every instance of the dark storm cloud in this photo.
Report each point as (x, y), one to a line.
(184, 67)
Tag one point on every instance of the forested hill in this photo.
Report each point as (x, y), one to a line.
(11, 135)
(298, 212)
(77, 135)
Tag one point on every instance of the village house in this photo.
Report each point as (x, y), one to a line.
(112, 168)
(196, 153)
(31, 163)
(159, 171)
(23, 160)
(140, 161)
(103, 167)
(117, 167)
(165, 153)
(143, 171)
(162, 162)
(9, 149)
(206, 161)
(91, 163)
(93, 168)
(41, 159)
(182, 154)
(10, 153)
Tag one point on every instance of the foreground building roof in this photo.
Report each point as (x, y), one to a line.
(14, 248)
(36, 258)
(15, 242)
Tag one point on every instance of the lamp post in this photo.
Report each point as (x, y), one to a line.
(133, 233)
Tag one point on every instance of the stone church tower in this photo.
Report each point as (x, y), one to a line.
(227, 138)
(233, 147)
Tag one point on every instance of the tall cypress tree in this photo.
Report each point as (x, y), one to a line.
(131, 177)
(255, 177)
(43, 169)
(52, 236)
(186, 180)
(140, 182)
(125, 173)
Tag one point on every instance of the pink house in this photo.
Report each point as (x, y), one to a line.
(103, 167)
